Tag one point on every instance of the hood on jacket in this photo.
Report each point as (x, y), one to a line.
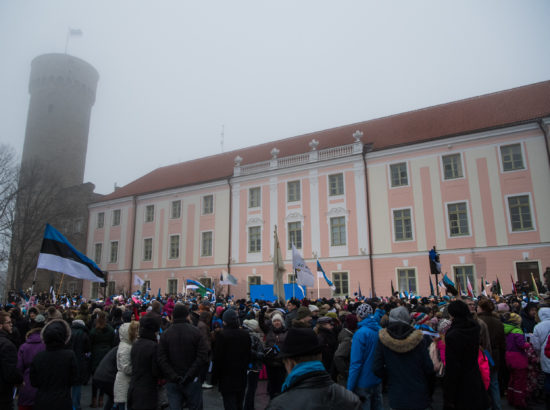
(123, 333)
(403, 345)
(544, 314)
(56, 333)
(369, 322)
(78, 324)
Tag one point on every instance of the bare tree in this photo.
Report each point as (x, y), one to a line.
(8, 191)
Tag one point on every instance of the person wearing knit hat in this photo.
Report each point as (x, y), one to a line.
(302, 318)
(308, 385)
(364, 310)
(54, 370)
(256, 364)
(516, 360)
(275, 334)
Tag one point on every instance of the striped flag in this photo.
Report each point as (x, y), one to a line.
(321, 272)
(469, 287)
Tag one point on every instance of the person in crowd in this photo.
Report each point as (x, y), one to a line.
(328, 341)
(275, 332)
(84, 315)
(528, 317)
(54, 370)
(303, 317)
(462, 343)
(401, 355)
(128, 333)
(105, 374)
(541, 332)
(182, 354)
(486, 312)
(142, 393)
(257, 354)
(81, 346)
(343, 351)
(10, 375)
(232, 354)
(292, 307)
(516, 360)
(27, 351)
(102, 340)
(204, 326)
(308, 385)
(361, 379)
(314, 314)
(20, 323)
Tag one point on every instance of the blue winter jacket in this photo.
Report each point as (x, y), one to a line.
(363, 346)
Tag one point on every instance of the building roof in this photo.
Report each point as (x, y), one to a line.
(489, 111)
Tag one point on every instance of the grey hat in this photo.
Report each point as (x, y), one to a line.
(400, 315)
(363, 311)
(39, 319)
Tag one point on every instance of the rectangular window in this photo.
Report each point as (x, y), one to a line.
(295, 235)
(512, 159)
(172, 286)
(452, 166)
(406, 280)
(175, 210)
(254, 239)
(149, 213)
(100, 220)
(338, 231)
(293, 191)
(398, 174)
(291, 278)
(111, 288)
(336, 184)
(146, 286)
(458, 219)
(95, 290)
(116, 217)
(520, 213)
(253, 280)
(462, 273)
(254, 197)
(147, 249)
(174, 246)
(206, 244)
(402, 224)
(206, 282)
(114, 252)
(97, 253)
(207, 204)
(340, 280)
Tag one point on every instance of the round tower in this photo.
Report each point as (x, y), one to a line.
(62, 89)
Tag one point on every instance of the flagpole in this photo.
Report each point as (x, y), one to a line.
(34, 281)
(60, 283)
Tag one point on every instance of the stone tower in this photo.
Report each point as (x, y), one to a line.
(62, 89)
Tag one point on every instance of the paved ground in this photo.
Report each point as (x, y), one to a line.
(213, 400)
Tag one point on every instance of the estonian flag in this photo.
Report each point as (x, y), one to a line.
(449, 285)
(58, 255)
(330, 284)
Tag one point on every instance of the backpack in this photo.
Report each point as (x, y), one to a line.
(547, 348)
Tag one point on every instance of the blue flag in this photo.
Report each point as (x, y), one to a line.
(330, 284)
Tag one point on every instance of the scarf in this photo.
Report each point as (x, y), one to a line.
(299, 370)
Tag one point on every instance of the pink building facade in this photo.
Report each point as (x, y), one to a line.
(367, 200)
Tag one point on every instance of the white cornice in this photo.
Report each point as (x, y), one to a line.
(444, 142)
(111, 202)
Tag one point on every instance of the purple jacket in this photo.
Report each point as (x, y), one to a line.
(32, 346)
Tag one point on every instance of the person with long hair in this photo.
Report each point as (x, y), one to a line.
(102, 339)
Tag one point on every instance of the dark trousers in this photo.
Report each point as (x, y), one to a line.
(106, 388)
(233, 400)
(191, 394)
(276, 376)
(251, 386)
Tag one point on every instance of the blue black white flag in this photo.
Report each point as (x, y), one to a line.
(329, 282)
(57, 254)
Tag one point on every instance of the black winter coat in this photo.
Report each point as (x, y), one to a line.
(81, 346)
(182, 351)
(142, 393)
(462, 386)
(402, 355)
(315, 390)
(496, 337)
(329, 343)
(9, 375)
(232, 354)
(53, 372)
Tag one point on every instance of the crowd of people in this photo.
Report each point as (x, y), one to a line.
(328, 353)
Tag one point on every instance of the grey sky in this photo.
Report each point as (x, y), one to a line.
(172, 72)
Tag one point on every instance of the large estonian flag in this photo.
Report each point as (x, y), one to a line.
(57, 254)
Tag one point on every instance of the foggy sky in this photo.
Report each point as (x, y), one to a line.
(173, 72)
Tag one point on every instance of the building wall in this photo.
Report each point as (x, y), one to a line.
(490, 247)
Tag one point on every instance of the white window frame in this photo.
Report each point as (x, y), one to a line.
(295, 201)
(442, 166)
(332, 273)
(208, 280)
(98, 262)
(398, 268)
(468, 214)
(111, 252)
(115, 211)
(170, 247)
(408, 174)
(460, 265)
(94, 290)
(248, 240)
(259, 188)
(97, 225)
(168, 285)
(507, 206)
(172, 209)
(248, 284)
(395, 240)
(211, 244)
(143, 250)
(343, 185)
(145, 213)
(330, 231)
(202, 204)
(301, 234)
(501, 163)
